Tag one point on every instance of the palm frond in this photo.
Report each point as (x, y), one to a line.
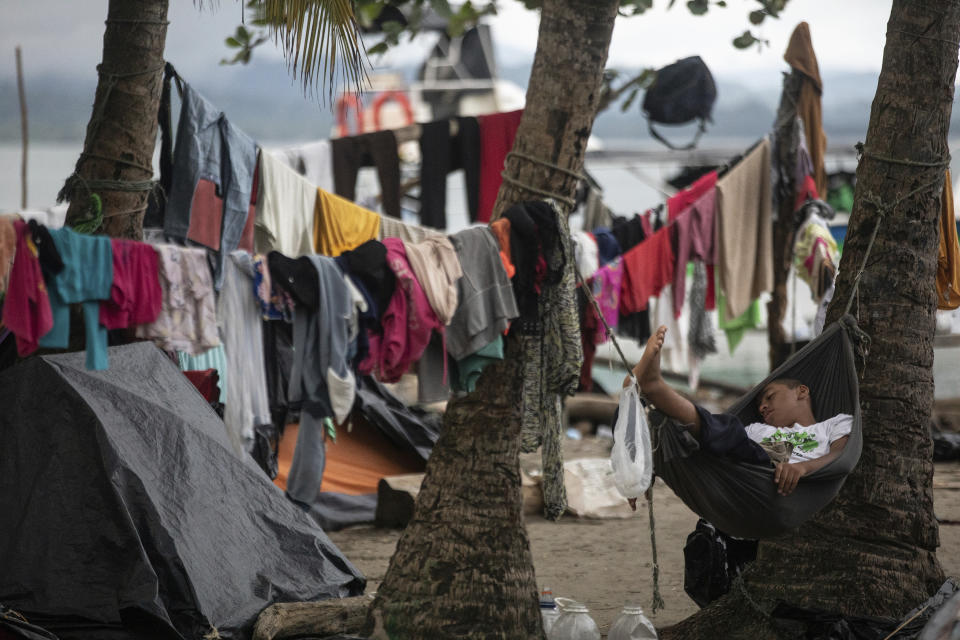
(320, 41)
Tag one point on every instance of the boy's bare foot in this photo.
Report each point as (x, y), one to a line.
(647, 371)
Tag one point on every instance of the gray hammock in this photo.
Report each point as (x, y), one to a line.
(741, 498)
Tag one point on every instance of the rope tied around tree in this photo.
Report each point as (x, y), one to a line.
(94, 208)
(657, 600)
(882, 209)
(571, 202)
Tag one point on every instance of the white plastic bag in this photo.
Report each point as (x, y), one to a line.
(632, 454)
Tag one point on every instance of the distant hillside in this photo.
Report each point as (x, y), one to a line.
(267, 104)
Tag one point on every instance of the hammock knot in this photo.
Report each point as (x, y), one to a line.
(861, 342)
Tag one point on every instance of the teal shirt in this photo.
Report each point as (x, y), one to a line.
(86, 278)
(466, 372)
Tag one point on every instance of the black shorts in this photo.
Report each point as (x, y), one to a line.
(724, 434)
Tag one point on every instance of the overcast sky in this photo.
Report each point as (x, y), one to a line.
(66, 35)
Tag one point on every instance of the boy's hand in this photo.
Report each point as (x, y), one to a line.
(787, 475)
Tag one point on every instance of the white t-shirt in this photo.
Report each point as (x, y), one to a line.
(808, 442)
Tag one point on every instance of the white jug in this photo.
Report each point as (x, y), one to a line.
(632, 625)
(574, 622)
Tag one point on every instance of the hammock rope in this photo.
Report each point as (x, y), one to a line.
(658, 602)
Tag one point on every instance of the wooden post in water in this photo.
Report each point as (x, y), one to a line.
(23, 129)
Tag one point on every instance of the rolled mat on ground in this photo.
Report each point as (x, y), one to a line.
(741, 499)
(127, 514)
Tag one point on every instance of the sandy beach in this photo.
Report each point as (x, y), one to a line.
(606, 563)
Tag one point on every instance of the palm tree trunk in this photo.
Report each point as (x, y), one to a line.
(117, 158)
(463, 567)
(873, 551)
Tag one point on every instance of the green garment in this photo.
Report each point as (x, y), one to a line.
(466, 372)
(749, 319)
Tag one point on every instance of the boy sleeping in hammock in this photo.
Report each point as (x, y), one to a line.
(787, 414)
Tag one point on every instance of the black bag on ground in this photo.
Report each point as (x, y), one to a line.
(681, 92)
(711, 561)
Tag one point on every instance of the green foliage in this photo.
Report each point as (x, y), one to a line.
(320, 38)
(244, 41)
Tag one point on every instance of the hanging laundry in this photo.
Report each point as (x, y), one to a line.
(188, 316)
(212, 178)
(586, 252)
(803, 167)
(313, 160)
(367, 266)
(815, 255)
(948, 255)
(442, 153)
(340, 225)
(135, 296)
(285, 209)
(8, 250)
(608, 247)
(358, 307)
(552, 353)
(589, 327)
(647, 269)
(377, 149)
(434, 372)
(436, 266)
(247, 237)
(213, 358)
(207, 382)
(465, 373)
(321, 383)
(806, 190)
(744, 236)
(595, 212)
(700, 337)
(86, 278)
(628, 232)
(486, 299)
(736, 328)
(605, 287)
(694, 241)
(527, 255)
(393, 228)
(278, 360)
(497, 132)
(635, 325)
(673, 354)
(606, 290)
(407, 323)
(275, 303)
(238, 312)
(682, 200)
(801, 56)
(26, 307)
(501, 231)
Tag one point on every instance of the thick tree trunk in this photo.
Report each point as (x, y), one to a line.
(122, 131)
(873, 550)
(463, 566)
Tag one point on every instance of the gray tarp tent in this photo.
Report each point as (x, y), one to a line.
(126, 514)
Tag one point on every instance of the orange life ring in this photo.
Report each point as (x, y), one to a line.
(391, 96)
(344, 103)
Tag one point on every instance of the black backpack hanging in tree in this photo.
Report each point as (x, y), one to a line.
(681, 92)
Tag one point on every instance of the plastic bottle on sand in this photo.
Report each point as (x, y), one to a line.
(574, 622)
(632, 625)
(548, 609)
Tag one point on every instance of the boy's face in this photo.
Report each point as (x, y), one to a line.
(781, 406)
